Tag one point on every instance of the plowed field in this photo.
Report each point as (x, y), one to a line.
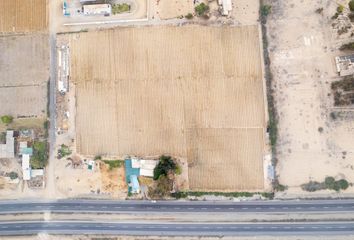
(192, 91)
(23, 16)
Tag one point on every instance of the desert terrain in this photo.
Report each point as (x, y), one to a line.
(311, 143)
(17, 16)
(169, 94)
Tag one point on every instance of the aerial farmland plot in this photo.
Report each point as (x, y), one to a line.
(18, 16)
(192, 92)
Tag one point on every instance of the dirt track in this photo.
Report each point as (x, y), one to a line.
(23, 16)
(194, 92)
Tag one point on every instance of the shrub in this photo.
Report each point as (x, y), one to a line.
(347, 46)
(351, 5)
(13, 175)
(120, 8)
(201, 9)
(163, 188)
(319, 10)
(330, 182)
(266, 10)
(64, 151)
(98, 157)
(279, 187)
(313, 186)
(340, 9)
(189, 16)
(343, 184)
(7, 119)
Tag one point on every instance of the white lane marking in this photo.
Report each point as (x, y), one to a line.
(177, 208)
(190, 208)
(117, 207)
(231, 208)
(204, 208)
(244, 208)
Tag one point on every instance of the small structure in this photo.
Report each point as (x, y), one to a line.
(91, 165)
(7, 150)
(345, 65)
(146, 166)
(134, 184)
(97, 9)
(23, 149)
(63, 69)
(26, 169)
(37, 173)
(226, 6)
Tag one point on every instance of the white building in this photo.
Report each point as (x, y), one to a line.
(226, 6)
(146, 166)
(63, 69)
(26, 169)
(7, 150)
(345, 65)
(97, 9)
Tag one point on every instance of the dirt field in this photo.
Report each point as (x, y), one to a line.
(24, 66)
(302, 51)
(161, 90)
(167, 9)
(23, 16)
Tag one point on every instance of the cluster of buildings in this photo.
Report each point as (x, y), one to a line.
(135, 167)
(23, 138)
(87, 8)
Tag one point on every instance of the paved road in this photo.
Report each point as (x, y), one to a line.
(27, 228)
(99, 206)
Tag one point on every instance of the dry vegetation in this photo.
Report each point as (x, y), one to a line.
(23, 16)
(165, 90)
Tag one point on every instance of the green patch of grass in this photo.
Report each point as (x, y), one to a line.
(114, 163)
(120, 8)
(40, 154)
(6, 119)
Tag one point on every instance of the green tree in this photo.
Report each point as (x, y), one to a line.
(266, 10)
(351, 5)
(7, 119)
(201, 9)
(164, 167)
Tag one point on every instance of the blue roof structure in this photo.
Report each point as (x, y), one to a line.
(130, 171)
(134, 184)
(27, 150)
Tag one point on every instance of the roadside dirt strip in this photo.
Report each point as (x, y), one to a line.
(18, 16)
(192, 91)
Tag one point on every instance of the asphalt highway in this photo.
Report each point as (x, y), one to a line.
(30, 228)
(99, 206)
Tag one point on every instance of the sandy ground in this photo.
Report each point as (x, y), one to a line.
(123, 112)
(166, 9)
(24, 67)
(245, 12)
(302, 56)
(23, 16)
